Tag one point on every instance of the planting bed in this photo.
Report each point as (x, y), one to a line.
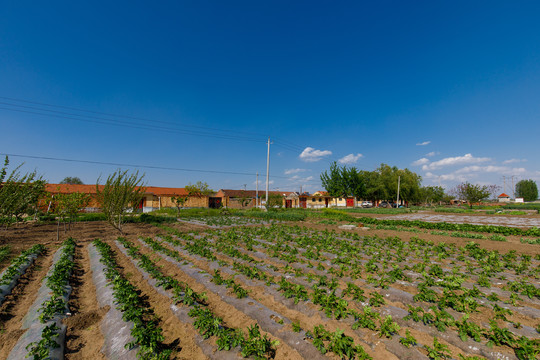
(278, 291)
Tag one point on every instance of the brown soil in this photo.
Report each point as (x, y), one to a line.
(84, 339)
(512, 243)
(178, 336)
(16, 304)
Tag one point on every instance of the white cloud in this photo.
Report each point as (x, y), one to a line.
(262, 183)
(312, 155)
(294, 171)
(491, 169)
(299, 180)
(423, 143)
(421, 161)
(458, 160)
(511, 161)
(350, 159)
(433, 153)
(446, 177)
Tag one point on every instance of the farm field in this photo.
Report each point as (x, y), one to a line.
(478, 219)
(230, 287)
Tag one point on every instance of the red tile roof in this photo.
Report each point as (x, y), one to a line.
(91, 189)
(503, 195)
(248, 193)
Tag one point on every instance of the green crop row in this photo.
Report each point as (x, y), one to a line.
(146, 331)
(252, 343)
(13, 268)
(56, 305)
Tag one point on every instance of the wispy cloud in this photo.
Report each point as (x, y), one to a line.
(458, 160)
(512, 161)
(421, 161)
(263, 182)
(312, 155)
(423, 143)
(433, 153)
(446, 177)
(294, 171)
(300, 180)
(350, 159)
(491, 169)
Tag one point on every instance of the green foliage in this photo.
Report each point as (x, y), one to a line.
(388, 327)
(431, 194)
(41, 349)
(438, 351)
(296, 326)
(199, 189)
(121, 192)
(67, 206)
(72, 180)
(13, 269)
(408, 340)
(337, 343)
(4, 252)
(274, 201)
(19, 194)
(146, 331)
(527, 189)
(472, 193)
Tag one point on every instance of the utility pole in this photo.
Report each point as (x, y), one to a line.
(513, 188)
(398, 183)
(504, 184)
(267, 170)
(257, 191)
(245, 187)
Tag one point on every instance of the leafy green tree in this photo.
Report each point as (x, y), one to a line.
(343, 181)
(409, 183)
(274, 200)
(527, 189)
(375, 189)
(332, 181)
(431, 194)
(19, 194)
(472, 193)
(199, 189)
(120, 193)
(179, 201)
(72, 181)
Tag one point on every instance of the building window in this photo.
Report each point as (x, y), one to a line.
(320, 199)
(313, 200)
(340, 199)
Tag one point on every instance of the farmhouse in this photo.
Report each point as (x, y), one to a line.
(154, 197)
(245, 199)
(503, 198)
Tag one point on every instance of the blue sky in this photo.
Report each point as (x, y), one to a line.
(448, 90)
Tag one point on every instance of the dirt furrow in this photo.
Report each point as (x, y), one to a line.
(178, 335)
(22, 297)
(83, 337)
(230, 315)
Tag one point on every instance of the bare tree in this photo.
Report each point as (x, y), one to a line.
(121, 192)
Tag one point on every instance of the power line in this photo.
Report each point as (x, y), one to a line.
(108, 121)
(120, 116)
(142, 166)
(139, 126)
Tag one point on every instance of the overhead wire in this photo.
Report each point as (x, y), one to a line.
(139, 165)
(39, 110)
(124, 116)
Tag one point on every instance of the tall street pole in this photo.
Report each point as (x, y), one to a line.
(398, 183)
(257, 191)
(267, 170)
